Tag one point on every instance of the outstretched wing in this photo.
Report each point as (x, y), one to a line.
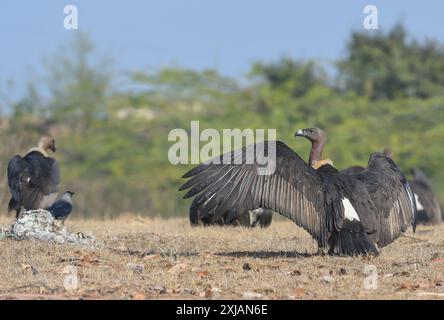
(392, 196)
(293, 189)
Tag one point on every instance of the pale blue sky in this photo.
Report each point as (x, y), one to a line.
(228, 35)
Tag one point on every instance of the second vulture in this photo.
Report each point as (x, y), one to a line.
(346, 214)
(33, 179)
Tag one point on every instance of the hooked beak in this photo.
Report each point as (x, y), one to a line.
(52, 148)
(299, 133)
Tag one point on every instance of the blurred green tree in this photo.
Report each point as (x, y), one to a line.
(388, 66)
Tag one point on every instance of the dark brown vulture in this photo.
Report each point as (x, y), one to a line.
(427, 204)
(33, 179)
(346, 214)
(429, 210)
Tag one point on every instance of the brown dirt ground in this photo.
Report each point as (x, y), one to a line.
(167, 259)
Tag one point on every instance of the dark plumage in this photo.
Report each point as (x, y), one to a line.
(33, 179)
(427, 204)
(250, 218)
(62, 208)
(349, 214)
(353, 170)
(429, 210)
(256, 218)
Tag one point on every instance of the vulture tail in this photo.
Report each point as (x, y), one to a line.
(351, 240)
(13, 205)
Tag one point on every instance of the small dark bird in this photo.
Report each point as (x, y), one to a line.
(346, 214)
(62, 208)
(34, 179)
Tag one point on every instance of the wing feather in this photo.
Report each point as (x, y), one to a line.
(391, 195)
(294, 189)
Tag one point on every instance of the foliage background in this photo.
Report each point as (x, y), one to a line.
(111, 127)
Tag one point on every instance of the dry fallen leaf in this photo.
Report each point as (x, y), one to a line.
(139, 296)
(437, 260)
(406, 286)
(203, 273)
(299, 292)
(89, 259)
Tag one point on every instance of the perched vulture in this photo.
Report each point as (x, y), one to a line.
(33, 179)
(429, 211)
(427, 204)
(346, 214)
(62, 208)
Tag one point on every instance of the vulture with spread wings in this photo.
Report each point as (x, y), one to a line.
(33, 179)
(346, 214)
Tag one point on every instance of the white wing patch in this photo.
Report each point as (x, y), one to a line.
(349, 212)
(418, 204)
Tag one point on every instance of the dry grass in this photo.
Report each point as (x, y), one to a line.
(174, 261)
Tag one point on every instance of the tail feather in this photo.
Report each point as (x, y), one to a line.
(351, 240)
(13, 205)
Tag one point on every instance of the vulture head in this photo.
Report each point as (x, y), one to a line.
(317, 138)
(47, 142)
(315, 135)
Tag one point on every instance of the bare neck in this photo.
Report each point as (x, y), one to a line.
(316, 152)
